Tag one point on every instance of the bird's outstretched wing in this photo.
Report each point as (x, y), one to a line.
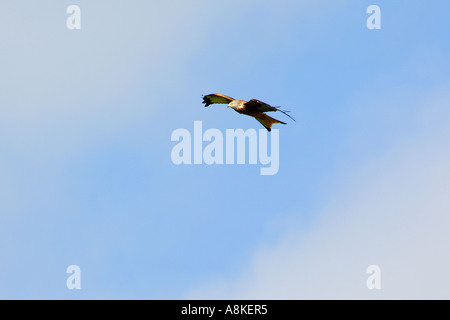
(255, 105)
(216, 98)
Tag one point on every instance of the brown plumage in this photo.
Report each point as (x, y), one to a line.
(254, 108)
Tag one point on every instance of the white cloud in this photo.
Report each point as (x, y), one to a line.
(395, 213)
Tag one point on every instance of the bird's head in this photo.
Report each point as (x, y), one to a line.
(233, 104)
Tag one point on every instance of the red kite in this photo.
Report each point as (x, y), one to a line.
(253, 108)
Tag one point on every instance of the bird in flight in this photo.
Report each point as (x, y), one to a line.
(253, 108)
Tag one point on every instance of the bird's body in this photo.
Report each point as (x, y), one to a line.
(253, 108)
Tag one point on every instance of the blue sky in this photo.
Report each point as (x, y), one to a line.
(86, 176)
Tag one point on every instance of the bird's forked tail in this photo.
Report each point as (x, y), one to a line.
(267, 121)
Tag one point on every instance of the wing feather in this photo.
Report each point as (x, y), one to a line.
(255, 105)
(216, 98)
